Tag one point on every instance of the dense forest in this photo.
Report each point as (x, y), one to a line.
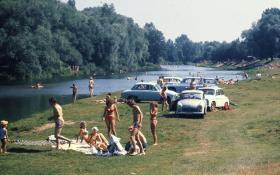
(42, 39)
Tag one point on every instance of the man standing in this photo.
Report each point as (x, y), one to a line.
(59, 122)
(137, 124)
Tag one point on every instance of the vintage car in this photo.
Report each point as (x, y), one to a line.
(215, 98)
(191, 102)
(171, 80)
(147, 91)
(185, 83)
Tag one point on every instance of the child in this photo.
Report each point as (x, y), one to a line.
(83, 134)
(153, 113)
(4, 136)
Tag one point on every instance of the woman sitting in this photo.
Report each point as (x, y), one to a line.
(97, 140)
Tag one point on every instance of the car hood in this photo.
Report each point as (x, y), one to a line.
(190, 102)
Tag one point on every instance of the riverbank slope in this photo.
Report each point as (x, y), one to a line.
(243, 140)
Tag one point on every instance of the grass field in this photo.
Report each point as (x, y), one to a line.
(243, 140)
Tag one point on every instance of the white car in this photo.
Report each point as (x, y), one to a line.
(215, 98)
(147, 91)
(191, 102)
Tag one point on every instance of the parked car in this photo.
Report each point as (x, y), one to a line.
(147, 91)
(190, 102)
(215, 98)
(185, 83)
(171, 80)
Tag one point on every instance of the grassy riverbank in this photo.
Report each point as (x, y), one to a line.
(244, 140)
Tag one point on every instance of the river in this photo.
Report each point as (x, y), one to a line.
(19, 101)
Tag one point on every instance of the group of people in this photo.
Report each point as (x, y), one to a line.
(74, 88)
(137, 140)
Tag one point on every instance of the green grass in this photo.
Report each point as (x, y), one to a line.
(244, 140)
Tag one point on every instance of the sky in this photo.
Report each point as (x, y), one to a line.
(200, 20)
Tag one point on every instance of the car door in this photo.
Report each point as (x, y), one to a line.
(154, 94)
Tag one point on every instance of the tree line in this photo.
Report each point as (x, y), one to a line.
(47, 38)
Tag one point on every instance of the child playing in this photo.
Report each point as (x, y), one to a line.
(153, 113)
(83, 134)
(4, 136)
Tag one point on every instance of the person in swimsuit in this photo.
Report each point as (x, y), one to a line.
(59, 122)
(163, 97)
(4, 136)
(153, 113)
(137, 124)
(74, 92)
(95, 139)
(90, 86)
(109, 116)
(83, 133)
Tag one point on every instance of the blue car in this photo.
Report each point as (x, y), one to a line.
(147, 91)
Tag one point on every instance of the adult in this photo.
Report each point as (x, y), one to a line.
(59, 122)
(97, 140)
(193, 84)
(109, 116)
(137, 124)
(74, 92)
(153, 114)
(163, 98)
(3, 136)
(91, 86)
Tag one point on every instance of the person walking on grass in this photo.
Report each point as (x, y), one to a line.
(109, 116)
(163, 98)
(74, 92)
(59, 122)
(137, 124)
(4, 136)
(153, 113)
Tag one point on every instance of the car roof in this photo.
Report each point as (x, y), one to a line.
(172, 77)
(195, 91)
(147, 82)
(211, 87)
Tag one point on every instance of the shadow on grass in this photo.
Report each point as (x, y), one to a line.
(181, 116)
(25, 150)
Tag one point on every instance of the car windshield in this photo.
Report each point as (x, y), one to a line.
(208, 91)
(191, 96)
(188, 80)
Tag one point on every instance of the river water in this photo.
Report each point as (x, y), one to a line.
(19, 101)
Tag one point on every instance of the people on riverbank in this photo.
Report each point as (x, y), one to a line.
(91, 87)
(163, 98)
(59, 122)
(153, 114)
(74, 92)
(109, 116)
(4, 136)
(137, 124)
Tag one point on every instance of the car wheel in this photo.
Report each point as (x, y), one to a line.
(213, 106)
(133, 98)
(226, 106)
(201, 116)
(169, 101)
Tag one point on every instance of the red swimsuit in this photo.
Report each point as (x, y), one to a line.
(110, 114)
